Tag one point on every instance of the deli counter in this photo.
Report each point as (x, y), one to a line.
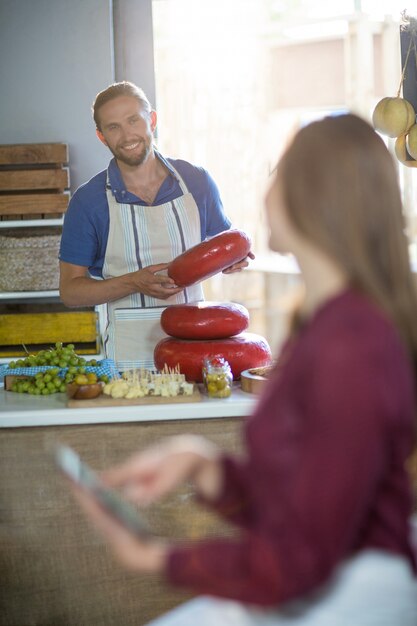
(54, 568)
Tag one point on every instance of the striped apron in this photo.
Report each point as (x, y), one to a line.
(140, 236)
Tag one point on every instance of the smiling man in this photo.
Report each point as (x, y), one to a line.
(129, 221)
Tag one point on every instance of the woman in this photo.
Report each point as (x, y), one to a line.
(322, 497)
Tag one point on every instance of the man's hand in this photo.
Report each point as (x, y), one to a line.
(149, 282)
(77, 288)
(240, 265)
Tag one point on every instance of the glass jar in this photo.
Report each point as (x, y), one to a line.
(217, 377)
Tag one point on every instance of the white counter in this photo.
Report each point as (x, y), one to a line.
(17, 410)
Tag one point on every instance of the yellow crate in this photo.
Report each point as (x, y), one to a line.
(31, 329)
(14, 352)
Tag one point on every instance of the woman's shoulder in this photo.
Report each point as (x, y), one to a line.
(351, 312)
(354, 330)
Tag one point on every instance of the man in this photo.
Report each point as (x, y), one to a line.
(128, 222)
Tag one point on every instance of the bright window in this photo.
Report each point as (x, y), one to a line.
(236, 78)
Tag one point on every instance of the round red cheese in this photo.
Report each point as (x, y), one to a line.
(204, 320)
(209, 257)
(244, 351)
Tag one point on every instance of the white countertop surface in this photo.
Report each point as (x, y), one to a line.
(17, 410)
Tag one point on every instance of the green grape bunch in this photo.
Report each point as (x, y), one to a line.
(51, 380)
(58, 356)
(42, 383)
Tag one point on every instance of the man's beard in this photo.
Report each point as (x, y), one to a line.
(134, 160)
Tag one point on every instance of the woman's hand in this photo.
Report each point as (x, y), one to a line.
(140, 556)
(152, 474)
(240, 265)
(145, 478)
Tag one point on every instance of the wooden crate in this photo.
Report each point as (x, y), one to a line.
(21, 332)
(34, 181)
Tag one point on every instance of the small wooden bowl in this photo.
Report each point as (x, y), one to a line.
(84, 392)
(254, 380)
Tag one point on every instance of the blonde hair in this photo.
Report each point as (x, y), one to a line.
(341, 192)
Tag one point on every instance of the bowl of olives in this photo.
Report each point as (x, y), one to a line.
(85, 387)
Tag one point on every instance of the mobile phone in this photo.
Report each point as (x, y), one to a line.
(81, 474)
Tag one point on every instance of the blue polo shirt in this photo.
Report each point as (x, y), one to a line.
(86, 223)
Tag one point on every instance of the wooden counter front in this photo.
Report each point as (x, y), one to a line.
(54, 568)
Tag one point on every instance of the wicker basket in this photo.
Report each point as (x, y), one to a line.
(29, 259)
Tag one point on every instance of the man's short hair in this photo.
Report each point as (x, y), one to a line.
(124, 88)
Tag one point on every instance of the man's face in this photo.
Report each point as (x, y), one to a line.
(126, 129)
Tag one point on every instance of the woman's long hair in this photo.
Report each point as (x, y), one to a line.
(341, 192)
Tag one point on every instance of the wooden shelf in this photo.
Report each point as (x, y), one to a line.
(28, 295)
(25, 223)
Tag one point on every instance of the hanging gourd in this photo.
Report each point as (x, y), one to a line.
(411, 141)
(396, 116)
(393, 116)
(401, 152)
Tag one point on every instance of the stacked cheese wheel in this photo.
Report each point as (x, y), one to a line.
(207, 329)
(209, 257)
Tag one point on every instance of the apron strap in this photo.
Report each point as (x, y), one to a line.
(181, 182)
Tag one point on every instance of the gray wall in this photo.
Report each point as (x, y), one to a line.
(133, 44)
(55, 55)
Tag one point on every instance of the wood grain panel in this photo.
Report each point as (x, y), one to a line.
(33, 203)
(54, 569)
(33, 153)
(21, 180)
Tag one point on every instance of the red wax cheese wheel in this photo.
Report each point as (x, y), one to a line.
(209, 257)
(204, 320)
(242, 352)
